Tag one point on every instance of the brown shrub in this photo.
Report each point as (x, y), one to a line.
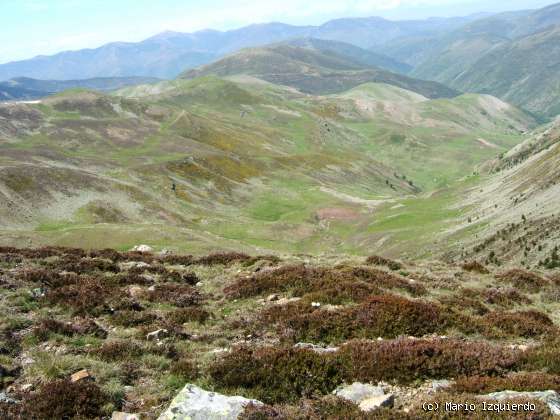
(84, 326)
(186, 369)
(65, 400)
(106, 254)
(129, 319)
(475, 267)
(377, 260)
(405, 360)
(466, 299)
(183, 315)
(224, 258)
(153, 269)
(130, 278)
(180, 295)
(505, 297)
(49, 326)
(300, 279)
(10, 343)
(178, 277)
(379, 316)
(88, 296)
(119, 351)
(47, 277)
(85, 265)
(177, 259)
(525, 381)
(523, 280)
(278, 374)
(326, 408)
(521, 324)
(344, 292)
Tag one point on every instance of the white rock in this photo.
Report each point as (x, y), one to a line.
(143, 248)
(440, 384)
(550, 398)
(272, 298)
(157, 335)
(194, 403)
(358, 392)
(316, 304)
(117, 415)
(375, 402)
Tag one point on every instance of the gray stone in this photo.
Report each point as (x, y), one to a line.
(358, 392)
(194, 403)
(316, 348)
(550, 398)
(4, 398)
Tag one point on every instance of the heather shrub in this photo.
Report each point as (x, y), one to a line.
(66, 400)
(153, 269)
(49, 326)
(130, 278)
(344, 292)
(85, 326)
(328, 407)
(177, 259)
(521, 324)
(180, 295)
(88, 296)
(406, 361)
(379, 316)
(224, 258)
(522, 381)
(523, 280)
(121, 350)
(84, 265)
(178, 277)
(377, 260)
(129, 319)
(467, 299)
(183, 315)
(275, 375)
(300, 279)
(505, 297)
(185, 369)
(475, 267)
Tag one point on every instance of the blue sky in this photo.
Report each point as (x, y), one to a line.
(34, 27)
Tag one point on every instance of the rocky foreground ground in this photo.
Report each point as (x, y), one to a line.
(96, 334)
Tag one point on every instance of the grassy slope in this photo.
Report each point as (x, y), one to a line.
(257, 166)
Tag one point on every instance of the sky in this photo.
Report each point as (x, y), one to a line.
(44, 27)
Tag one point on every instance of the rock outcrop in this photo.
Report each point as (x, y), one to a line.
(194, 403)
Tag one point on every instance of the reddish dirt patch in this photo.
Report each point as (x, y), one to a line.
(337, 213)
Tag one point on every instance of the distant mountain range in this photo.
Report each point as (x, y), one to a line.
(24, 88)
(169, 53)
(514, 56)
